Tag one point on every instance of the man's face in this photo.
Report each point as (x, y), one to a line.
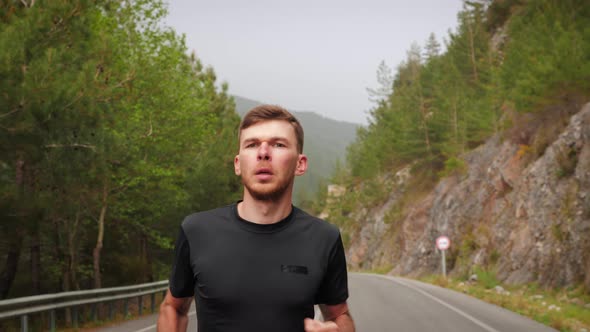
(268, 159)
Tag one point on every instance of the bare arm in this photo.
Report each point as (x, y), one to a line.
(336, 319)
(174, 313)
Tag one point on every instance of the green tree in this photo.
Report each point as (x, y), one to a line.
(106, 115)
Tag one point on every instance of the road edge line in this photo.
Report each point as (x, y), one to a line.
(155, 325)
(450, 306)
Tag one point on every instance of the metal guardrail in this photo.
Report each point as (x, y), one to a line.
(23, 307)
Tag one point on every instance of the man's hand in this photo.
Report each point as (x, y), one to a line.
(312, 325)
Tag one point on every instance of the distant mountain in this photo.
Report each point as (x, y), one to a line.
(325, 143)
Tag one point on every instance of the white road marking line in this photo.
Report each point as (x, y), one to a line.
(145, 329)
(455, 309)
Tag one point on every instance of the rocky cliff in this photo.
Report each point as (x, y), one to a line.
(527, 218)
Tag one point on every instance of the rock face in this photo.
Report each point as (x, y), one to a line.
(528, 219)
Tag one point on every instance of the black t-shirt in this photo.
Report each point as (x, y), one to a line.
(252, 277)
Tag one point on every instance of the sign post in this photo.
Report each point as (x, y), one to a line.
(443, 243)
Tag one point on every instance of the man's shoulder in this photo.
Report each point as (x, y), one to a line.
(319, 225)
(206, 217)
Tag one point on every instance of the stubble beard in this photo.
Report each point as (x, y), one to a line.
(273, 193)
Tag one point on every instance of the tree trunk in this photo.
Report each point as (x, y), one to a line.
(59, 251)
(455, 123)
(424, 117)
(472, 51)
(36, 263)
(148, 261)
(11, 265)
(72, 257)
(66, 286)
(142, 257)
(458, 141)
(97, 250)
(146, 266)
(15, 236)
(70, 279)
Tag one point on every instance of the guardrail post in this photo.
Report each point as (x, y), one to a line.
(24, 323)
(111, 311)
(94, 312)
(153, 298)
(126, 308)
(75, 317)
(140, 304)
(52, 321)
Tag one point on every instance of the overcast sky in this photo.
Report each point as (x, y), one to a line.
(308, 55)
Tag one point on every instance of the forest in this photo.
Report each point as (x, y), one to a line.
(483, 138)
(437, 105)
(504, 69)
(110, 133)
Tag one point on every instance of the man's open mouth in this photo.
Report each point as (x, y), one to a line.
(264, 171)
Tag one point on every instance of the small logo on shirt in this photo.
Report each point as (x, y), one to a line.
(294, 269)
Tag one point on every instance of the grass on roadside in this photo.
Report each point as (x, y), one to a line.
(566, 309)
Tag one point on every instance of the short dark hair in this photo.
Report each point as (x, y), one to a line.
(265, 112)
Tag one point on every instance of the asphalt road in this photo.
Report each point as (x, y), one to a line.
(380, 303)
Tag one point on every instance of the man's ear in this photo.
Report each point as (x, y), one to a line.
(301, 165)
(237, 169)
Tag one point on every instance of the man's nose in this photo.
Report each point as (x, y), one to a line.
(264, 151)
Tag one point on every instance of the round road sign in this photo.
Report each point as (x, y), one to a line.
(443, 242)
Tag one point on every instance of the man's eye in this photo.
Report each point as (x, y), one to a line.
(251, 145)
(279, 145)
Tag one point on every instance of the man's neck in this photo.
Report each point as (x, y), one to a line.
(264, 212)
